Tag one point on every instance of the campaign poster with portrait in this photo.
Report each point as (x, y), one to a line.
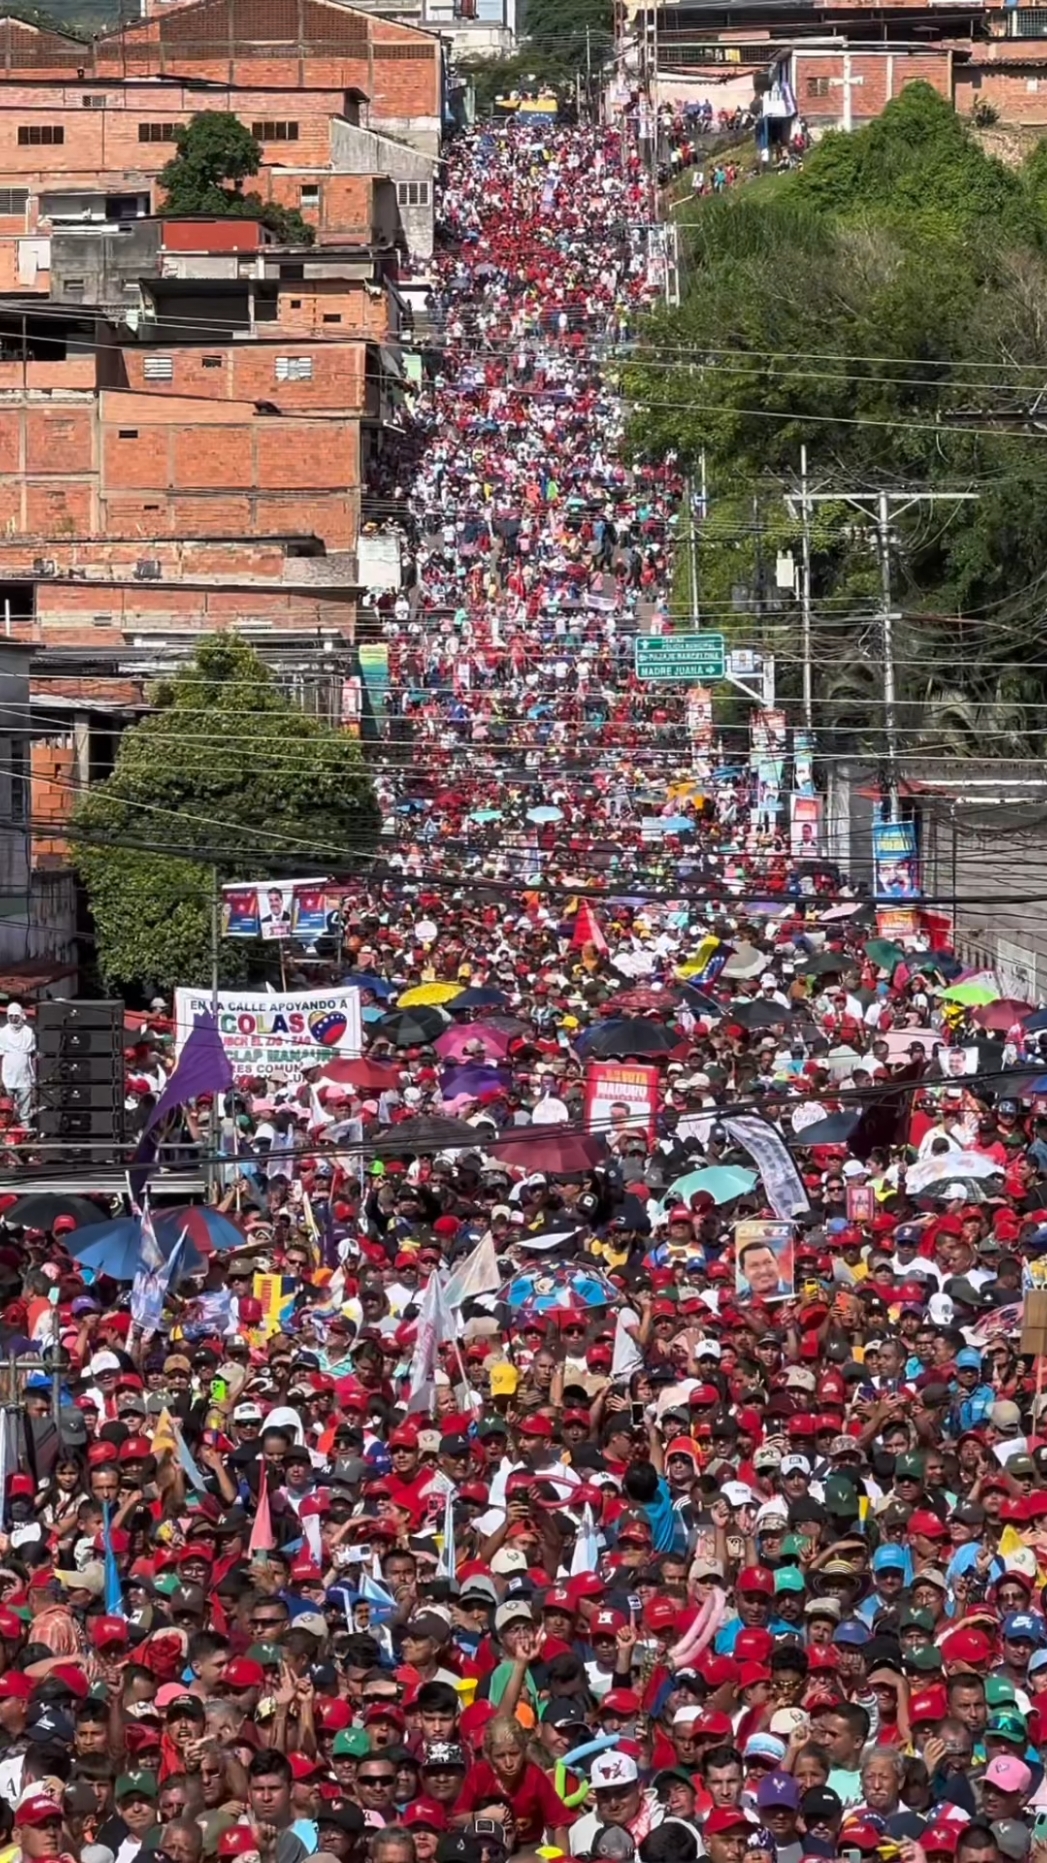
(954, 1063)
(764, 1260)
(805, 825)
(311, 913)
(895, 868)
(275, 909)
(240, 912)
(620, 1095)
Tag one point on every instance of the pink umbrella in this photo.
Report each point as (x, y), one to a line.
(451, 1045)
(558, 1154)
(1000, 1016)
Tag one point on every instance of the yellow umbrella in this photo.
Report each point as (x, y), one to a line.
(429, 994)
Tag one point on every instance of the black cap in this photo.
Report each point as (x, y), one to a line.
(563, 1712)
(49, 1726)
(345, 1816)
(457, 1847)
(820, 1802)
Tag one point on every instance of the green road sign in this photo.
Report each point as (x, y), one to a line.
(690, 657)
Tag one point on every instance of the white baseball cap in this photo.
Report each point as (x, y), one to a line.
(795, 1465)
(611, 1769)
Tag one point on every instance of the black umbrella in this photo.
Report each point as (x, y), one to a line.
(836, 1129)
(42, 1209)
(634, 1035)
(759, 1015)
(412, 1028)
(426, 1133)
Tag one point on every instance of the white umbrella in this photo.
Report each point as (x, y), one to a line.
(746, 961)
(943, 1165)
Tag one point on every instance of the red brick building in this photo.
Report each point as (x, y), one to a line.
(347, 110)
(208, 473)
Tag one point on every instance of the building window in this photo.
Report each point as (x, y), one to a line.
(210, 362)
(1030, 22)
(309, 197)
(13, 200)
(274, 132)
(158, 132)
(74, 288)
(94, 101)
(817, 87)
(159, 369)
(127, 433)
(332, 316)
(34, 135)
(294, 368)
(412, 193)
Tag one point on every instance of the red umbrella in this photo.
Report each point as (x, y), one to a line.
(1002, 1015)
(558, 1154)
(642, 1000)
(368, 1076)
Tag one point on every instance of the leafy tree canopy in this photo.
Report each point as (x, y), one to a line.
(216, 155)
(227, 774)
(883, 307)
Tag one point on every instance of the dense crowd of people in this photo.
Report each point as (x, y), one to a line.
(636, 1463)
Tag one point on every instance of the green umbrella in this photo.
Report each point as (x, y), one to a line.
(724, 1182)
(972, 995)
(884, 953)
(825, 964)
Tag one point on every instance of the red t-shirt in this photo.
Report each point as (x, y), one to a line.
(536, 1807)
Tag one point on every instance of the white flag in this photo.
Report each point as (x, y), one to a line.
(586, 1555)
(781, 1180)
(448, 1560)
(627, 1354)
(477, 1274)
(435, 1328)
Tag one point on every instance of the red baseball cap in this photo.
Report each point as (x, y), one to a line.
(756, 1580)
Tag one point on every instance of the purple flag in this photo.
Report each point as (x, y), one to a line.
(203, 1067)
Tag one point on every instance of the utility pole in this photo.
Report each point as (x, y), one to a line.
(805, 597)
(890, 721)
(880, 508)
(588, 75)
(692, 552)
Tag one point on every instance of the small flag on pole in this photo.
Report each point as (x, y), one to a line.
(114, 1591)
(448, 1564)
(261, 1540)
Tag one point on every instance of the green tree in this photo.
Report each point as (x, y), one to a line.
(559, 30)
(883, 308)
(216, 155)
(226, 774)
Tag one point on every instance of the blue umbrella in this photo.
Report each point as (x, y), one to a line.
(1034, 1023)
(486, 815)
(115, 1248)
(677, 824)
(482, 996)
(373, 1013)
(724, 1182)
(545, 814)
(361, 980)
(541, 1289)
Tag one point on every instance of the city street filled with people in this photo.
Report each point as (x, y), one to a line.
(603, 1417)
